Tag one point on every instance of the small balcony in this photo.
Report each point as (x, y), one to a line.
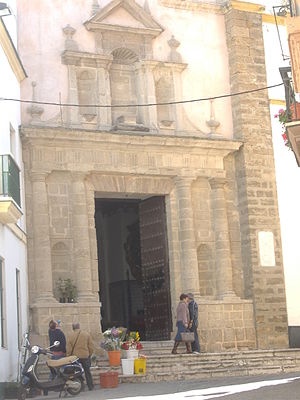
(10, 201)
(293, 111)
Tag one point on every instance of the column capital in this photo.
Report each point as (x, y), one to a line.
(78, 176)
(217, 183)
(184, 181)
(39, 176)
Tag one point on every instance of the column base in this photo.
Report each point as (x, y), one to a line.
(86, 297)
(228, 296)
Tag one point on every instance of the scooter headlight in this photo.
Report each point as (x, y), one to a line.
(34, 349)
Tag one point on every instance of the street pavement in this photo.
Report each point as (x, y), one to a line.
(266, 387)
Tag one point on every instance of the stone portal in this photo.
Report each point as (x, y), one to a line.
(133, 265)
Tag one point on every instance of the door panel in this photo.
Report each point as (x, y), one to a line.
(155, 269)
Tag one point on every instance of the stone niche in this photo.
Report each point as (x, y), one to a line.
(121, 71)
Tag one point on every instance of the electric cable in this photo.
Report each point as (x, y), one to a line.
(141, 105)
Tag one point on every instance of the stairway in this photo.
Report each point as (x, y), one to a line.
(162, 366)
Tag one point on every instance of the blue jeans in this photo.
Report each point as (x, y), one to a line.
(195, 344)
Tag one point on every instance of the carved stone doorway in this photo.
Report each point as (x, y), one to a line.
(133, 265)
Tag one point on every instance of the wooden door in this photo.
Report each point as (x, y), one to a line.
(155, 269)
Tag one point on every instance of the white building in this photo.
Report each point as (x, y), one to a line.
(287, 170)
(13, 268)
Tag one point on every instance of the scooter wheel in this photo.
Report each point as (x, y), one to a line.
(73, 391)
(22, 393)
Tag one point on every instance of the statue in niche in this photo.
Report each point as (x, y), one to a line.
(86, 82)
(123, 91)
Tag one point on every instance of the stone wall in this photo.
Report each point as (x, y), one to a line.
(255, 175)
(225, 325)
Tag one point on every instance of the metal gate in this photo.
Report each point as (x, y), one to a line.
(155, 269)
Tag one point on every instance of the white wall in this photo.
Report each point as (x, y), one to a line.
(287, 173)
(12, 248)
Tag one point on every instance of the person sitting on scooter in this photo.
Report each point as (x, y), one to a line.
(59, 351)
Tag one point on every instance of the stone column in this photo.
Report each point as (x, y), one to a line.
(146, 93)
(72, 112)
(104, 94)
(41, 239)
(81, 243)
(177, 70)
(223, 252)
(188, 250)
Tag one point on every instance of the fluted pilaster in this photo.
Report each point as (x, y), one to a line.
(223, 252)
(41, 239)
(189, 261)
(81, 242)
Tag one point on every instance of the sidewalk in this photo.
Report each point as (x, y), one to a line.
(168, 389)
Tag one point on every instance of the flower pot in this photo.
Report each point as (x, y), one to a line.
(128, 366)
(114, 358)
(109, 379)
(132, 353)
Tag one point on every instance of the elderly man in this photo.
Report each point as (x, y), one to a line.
(193, 324)
(80, 344)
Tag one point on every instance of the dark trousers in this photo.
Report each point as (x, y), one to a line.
(195, 344)
(85, 362)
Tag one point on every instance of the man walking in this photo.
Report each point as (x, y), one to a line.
(80, 344)
(193, 324)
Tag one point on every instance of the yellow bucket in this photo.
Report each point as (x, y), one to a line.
(140, 366)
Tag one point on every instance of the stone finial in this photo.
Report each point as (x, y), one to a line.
(174, 56)
(95, 7)
(146, 7)
(70, 43)
(212, 123)
(34, 110)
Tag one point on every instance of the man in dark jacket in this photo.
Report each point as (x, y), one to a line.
(193, 324)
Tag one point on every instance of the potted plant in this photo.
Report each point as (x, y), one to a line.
(113, 339)
(132, 345)
(284, 116)
(67, 290)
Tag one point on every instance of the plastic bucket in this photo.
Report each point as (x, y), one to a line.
(140, 366)
(127, 366)
(132, 353)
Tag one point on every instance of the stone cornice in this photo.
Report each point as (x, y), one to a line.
(128, 29)
(218, 8)
(83, 59)
(162, 64)
(11, 53)
(193, 6)
(59, 136)
(245, 6)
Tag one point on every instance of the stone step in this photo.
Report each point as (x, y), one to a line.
(198, 366)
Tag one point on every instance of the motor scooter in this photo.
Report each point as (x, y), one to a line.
(68, 374)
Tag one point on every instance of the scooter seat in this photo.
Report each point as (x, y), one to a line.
(61, 361)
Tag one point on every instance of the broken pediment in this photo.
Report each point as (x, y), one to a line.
(124, 15)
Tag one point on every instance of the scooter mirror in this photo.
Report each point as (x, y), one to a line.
(56, 343)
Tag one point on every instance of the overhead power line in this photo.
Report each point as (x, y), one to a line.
(141, 105)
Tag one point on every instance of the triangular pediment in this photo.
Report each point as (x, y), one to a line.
(124, 14)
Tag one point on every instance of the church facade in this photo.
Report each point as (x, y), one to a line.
(133, 197)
